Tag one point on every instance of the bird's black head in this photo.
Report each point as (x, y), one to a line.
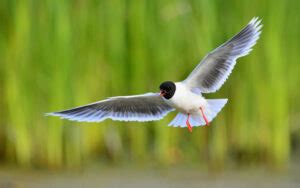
(167, 89)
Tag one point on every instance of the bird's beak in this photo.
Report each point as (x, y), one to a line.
(162, 93)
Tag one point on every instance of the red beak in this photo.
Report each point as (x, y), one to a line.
(162, 93)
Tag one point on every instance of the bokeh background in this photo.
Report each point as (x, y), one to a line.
(60, 54)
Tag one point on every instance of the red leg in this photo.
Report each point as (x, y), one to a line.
(204, 117)
(188, 123)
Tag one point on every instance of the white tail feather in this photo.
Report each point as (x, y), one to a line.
(179, 120)
(212, 108)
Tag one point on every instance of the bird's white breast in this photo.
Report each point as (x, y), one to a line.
(184, 100)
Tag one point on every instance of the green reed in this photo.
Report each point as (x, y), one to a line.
(61, 54)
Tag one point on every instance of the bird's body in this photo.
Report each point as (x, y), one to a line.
(186, 101)
(184, 97)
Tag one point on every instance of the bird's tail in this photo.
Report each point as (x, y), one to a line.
(212, 108)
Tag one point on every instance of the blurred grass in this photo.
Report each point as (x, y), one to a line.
(61, 54)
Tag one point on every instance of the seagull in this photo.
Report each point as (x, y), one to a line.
(185, 97)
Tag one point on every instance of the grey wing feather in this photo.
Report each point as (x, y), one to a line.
(211, 73)
(147, 107)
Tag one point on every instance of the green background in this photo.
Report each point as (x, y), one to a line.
(60, 54)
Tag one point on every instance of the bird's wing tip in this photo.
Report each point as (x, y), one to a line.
(256, 22)
(51, 114)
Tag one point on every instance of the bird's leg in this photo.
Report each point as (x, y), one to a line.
(204, 117)
(188, 123)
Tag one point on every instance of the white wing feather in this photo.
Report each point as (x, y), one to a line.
(211, 73)
(146, 107)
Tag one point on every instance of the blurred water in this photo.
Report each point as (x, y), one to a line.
(171, 177)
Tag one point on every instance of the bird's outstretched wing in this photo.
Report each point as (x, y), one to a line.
(211, 73)
(146, 107)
